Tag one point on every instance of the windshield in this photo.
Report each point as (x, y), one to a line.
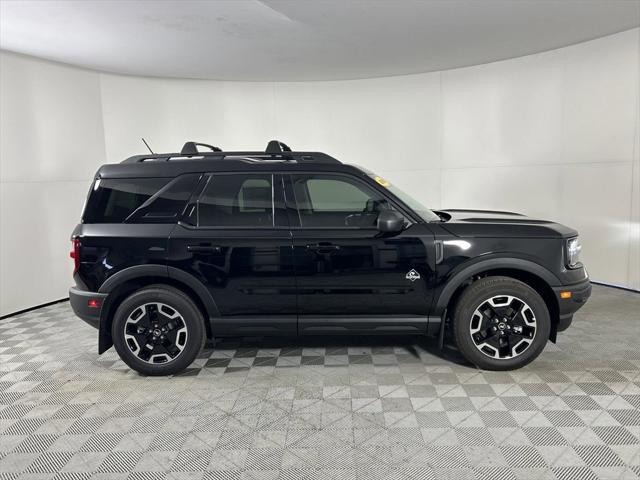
(425, 213)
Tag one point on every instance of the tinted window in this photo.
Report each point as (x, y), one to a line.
(336, 201)
(235, 201)
(415, 205)
(333, 195)
(169, 202)
(113, 200)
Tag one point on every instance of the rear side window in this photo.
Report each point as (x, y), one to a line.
(113, 200)
(235, 200)
(168, 203)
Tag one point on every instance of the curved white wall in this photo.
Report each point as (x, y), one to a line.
(553, 135)
(51, 142)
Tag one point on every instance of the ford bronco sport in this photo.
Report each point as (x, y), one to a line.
(176, 248)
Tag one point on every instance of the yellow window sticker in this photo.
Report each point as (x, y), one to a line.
(382, 181)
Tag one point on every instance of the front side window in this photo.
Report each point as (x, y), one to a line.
(425, 213)
(335, 201)
(235, 200)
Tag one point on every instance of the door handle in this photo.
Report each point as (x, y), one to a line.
(204, 248)
(323, 248)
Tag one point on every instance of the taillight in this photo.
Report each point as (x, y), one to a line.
(75, 254)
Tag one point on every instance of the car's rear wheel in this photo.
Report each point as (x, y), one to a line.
(158, 330)
(500, 323)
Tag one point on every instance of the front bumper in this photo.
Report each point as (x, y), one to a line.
(580, 293)
(87, 305)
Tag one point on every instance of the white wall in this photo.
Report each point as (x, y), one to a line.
(553, 135)
(51, 142)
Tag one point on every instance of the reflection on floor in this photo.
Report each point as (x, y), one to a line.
(325, 408)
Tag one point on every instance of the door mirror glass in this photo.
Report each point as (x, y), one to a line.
(390, 221)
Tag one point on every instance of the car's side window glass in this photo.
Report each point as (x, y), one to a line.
(168, 202)
(336, 201)
(333, 195)
(235, 200)
(114, 200)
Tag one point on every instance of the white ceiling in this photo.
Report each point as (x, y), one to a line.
(298, 39)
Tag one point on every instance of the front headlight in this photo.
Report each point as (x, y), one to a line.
(573, 252)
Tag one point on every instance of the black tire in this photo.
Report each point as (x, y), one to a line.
(190, 320)
(474, 297)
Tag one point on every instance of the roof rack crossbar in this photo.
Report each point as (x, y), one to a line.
(191, 148)
(277, 147)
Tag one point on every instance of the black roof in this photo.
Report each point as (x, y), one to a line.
(276, 157)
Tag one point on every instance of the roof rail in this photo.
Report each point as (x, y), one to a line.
(276, 151)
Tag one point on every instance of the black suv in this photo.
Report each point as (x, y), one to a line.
(177, 248)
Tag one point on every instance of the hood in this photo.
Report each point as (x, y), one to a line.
(488, 223)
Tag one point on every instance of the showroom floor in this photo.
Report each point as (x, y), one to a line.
(322, 408)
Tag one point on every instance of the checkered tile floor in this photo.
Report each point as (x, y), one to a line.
(351, 408)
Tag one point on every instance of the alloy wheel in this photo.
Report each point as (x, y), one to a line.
(155, 333)
(503, 327)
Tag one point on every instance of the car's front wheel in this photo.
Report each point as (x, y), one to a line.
(500, 323)
(158, 330)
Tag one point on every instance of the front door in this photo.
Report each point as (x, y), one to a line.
(235, 239)
(351, 278)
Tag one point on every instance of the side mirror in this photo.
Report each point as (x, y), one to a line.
(390, 221)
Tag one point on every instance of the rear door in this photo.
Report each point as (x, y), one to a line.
(352, 278)
(235, 239)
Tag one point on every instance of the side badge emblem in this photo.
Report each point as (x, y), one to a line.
(412, 275)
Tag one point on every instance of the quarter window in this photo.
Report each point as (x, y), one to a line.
(113, 200)
(168, 202)
(235, 201)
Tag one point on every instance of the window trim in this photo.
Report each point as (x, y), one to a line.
(288, 177)
(200, 190)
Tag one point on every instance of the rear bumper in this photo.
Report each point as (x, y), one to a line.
(80, 303)
(580, 293)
